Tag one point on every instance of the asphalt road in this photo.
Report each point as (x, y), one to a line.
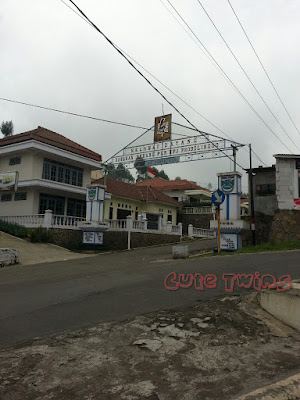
(40, 300)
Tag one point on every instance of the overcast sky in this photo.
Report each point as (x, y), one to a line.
(51, 57)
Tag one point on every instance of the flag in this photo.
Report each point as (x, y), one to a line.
(150, 173)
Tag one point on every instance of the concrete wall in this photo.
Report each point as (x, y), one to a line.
(285, 306)
(266, 204)
(20, 207)
(287, 187)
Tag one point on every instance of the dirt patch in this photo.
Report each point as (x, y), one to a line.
(220, 349)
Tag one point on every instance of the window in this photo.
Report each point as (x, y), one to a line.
(266, 189)
(76, 208)
(15, 161)
(48, 202)
(20, 196)
(6, 197)
(59, 172)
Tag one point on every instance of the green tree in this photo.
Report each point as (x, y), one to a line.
(120, 173)
(177, 178)
(141, 168)
(160, 174)
(7, 128)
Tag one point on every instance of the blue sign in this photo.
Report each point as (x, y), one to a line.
(217, 197)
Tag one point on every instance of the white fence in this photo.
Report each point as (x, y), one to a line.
(48, 220)
(30, 221)
(199, 232)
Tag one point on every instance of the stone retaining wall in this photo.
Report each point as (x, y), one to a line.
(112, 240)
(285, 226)
(8, 257)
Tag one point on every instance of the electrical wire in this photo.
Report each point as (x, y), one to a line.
(263, 67)
(245, 73)
(165, 86)
(240, 93)
(71, 113)
(147, 80)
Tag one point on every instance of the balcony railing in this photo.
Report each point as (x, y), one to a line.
(197, 210)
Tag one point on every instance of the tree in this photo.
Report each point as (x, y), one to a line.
(209, 186)
(177, 178)
(120, 173)
(141, 168)
(160, 174)
(7, 128)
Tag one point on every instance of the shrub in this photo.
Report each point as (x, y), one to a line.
(40, 235)
(13, 229)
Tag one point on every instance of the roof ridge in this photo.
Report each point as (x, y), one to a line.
(65, 137)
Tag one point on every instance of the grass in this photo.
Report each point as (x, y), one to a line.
(285, 246)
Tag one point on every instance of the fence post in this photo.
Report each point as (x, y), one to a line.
(145, 227)
(48, 219)
(160, 222)
(190, 230)
(129, 229)
(180, 228)
(169, 227)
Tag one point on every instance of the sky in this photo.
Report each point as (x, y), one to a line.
(53, 58)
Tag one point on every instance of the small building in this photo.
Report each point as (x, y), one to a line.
(288, 181)
(264, 188)
(194, 198)
(53, 174)
(137, 201)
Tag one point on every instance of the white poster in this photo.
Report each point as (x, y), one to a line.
(229, 241)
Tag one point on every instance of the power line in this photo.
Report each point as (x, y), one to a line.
(245, 73)
(263, 67)
(145, 78)
(72, 113)
(236, 88)
(154, 77)
(165, 86)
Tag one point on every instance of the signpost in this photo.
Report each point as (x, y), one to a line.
(217, 199)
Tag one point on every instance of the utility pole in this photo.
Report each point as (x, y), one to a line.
(234, 150)
(252, 198)
(219, 230)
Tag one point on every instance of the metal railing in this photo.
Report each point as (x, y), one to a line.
(197, 210)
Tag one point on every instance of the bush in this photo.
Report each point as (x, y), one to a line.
(40, 235)
(13, 229)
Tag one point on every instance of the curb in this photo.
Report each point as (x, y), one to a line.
(288, 389)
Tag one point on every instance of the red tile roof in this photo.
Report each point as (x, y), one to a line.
(52, 138)
(163, 184)
(135, 192)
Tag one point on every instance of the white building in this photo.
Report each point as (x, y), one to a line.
(288, 181)
(53, 173)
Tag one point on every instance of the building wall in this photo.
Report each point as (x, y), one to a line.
(21, 207)
(153, 208)
(264, 204)
(177, 194)
(31, 167)
(287, 186)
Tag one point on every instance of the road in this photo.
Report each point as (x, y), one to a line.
(44, 299)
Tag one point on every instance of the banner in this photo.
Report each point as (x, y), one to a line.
(8, 181)
(162, 128)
